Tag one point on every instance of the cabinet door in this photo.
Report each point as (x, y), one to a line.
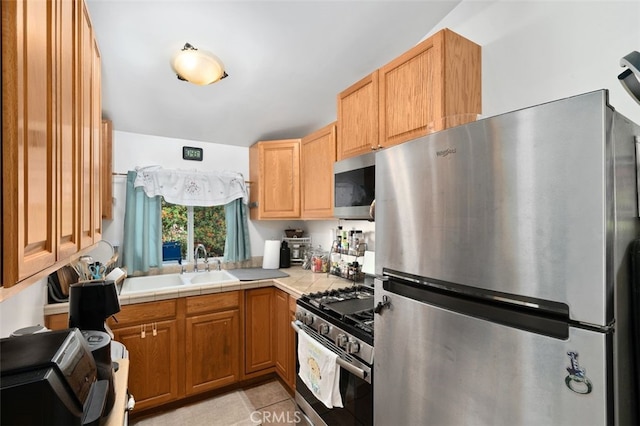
(85, 131)
(431, 87)
(107, 168)
(57, 321)
(259, 330)
(212, 351)
(317, 155)
(153, 374)
(284, 339)
(65, 136)
(28, 177)
(358, 118)
(411, 93)
(293, 349)
(275, 179)
(96, 144)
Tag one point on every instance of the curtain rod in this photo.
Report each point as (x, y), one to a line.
(125, 174)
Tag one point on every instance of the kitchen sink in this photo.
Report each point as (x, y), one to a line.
(169, 281)
(209, 277)
(151, 282)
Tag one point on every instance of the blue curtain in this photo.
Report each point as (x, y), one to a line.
(237, 247)
(142, 245)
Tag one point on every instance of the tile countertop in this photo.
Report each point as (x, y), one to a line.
(300, 281)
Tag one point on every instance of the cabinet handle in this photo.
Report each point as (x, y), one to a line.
(155, 329)
(143, 331)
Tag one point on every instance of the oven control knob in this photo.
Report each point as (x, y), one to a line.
(307, 319)
(341, 340)
(323, 328)
(300, 316)
(353, 347)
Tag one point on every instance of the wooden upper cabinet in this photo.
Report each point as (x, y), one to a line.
(85, 121)
(431, 87)
(107, 169)
(48, 77)
(317, 155)
(358, 118)
(28, 157)
(96, 143)
(275, 179)
(66, 138)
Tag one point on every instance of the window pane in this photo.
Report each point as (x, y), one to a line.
(174, 225)
(210, 229)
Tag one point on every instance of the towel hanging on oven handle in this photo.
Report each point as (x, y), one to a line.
(341, 362)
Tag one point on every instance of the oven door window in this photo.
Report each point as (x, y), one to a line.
(357, 398)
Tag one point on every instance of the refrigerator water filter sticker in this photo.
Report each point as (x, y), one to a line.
(271, 257)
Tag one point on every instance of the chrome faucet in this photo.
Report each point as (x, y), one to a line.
(195, 256)
(219, 268)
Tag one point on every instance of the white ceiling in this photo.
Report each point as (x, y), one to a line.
(286, 60)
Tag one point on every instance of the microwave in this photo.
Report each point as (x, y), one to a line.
(354, 187)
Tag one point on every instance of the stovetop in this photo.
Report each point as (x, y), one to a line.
(350, 307)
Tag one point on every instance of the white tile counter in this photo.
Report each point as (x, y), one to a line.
(299, 281)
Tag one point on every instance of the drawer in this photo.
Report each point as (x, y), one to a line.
(141, 313)
(212, 302)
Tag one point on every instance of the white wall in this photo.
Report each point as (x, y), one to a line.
(538, 51)
(532, 52)
(24, 309)
(131, 150)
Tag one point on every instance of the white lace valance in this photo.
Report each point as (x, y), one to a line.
(192, 187)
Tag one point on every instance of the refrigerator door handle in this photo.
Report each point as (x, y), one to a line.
(637, 140)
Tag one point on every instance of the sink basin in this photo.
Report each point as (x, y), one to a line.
(168, 281)
(150, 283)
(209, 277)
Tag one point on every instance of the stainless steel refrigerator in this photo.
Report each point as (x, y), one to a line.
(503, 294)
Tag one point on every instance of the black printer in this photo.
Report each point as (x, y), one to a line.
(50, 378)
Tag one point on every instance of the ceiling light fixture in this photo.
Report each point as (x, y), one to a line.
(198, 66)
(630, 78)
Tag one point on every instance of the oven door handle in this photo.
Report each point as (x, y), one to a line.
(341, 362)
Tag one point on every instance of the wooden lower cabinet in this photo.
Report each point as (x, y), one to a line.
(285, 337)
(212, 353)
(259, 330)
(57, 321)
(270, 341)
(185, 346)
(153, 355)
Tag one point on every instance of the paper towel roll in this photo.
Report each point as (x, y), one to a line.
(271, 257)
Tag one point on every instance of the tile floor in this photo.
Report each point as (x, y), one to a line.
(265, 404)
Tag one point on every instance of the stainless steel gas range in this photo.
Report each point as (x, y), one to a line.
(342, 321)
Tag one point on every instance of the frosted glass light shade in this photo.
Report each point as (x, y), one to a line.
(197, 66)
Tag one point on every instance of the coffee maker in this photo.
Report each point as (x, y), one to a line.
(90, 304)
